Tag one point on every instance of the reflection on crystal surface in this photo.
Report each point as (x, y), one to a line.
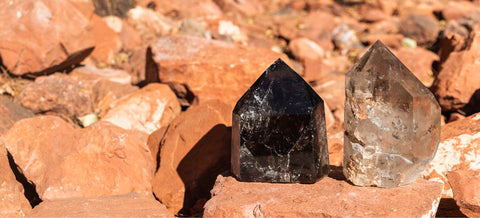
(392, 122)
(278, 132)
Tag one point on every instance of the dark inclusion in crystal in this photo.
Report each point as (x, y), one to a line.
(278, 132)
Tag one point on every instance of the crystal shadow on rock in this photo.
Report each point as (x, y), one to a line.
(392, 122)
(278, 131)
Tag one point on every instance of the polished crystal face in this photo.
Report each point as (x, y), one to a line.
(278, 132)
(392, 122)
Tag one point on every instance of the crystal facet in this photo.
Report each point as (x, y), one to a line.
(278, 131)
(392, 122)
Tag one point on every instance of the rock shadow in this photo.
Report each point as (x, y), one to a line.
(29, 187)
(200, 167)
(336, 172)
(473, 105)
(448, 208)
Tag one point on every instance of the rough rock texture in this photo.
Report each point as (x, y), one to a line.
(11, 113)
(194, 150)
(459, 149)
(129, 37)
(65, 36)
(311, 28)
(90, 75)
(419, 61)
(211, 69)
(421, 28)
(311, 55)
(106, 93)
(332, 92)
(201, 9)
(148, 23)
(249, 8)
(127, 205)
(457, 81)
(465, 185)
(56, 94)
(62, 162)
(147, 110)
(107, 41)
(327, 198)
(116, 7)
(304, 48)
(12, 201)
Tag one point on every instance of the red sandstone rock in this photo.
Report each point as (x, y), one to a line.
(149, 24)
(315, 70)
(148, 109)
(56, 94)
(127, 205)
(106, 93)
(107, 41)
(40, 37)
(459, 149)
(458, 79)
(248, 8)
(11, 113)
(326, 198)
(90, 75)
(304, 48)
(311, 55)
(423, 29)
(129, 37)
(332, 92)
(454, 38)
(391, 40)
(13, 202)
(311, 28)
(373, 15)
(194, 150)
(62, 162)
(211, 69)
(419, 61)
(465, 185)
(201, 9)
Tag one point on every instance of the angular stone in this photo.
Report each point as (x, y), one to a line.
(152, 107)
(330, 197)
(126, 205)
(64, 162)
(459, 149)
(392, 122)
(42, 37)
(278, 131)
(465, 185)
(11, 113)
(191, 152)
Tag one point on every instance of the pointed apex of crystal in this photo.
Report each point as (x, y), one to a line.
(392, 122)
(278, 131)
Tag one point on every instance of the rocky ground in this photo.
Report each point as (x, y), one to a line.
(123, 108)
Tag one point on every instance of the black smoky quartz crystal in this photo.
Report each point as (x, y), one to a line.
(278, 131)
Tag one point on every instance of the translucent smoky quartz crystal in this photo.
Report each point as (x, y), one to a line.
(278, 132)
(392, 122)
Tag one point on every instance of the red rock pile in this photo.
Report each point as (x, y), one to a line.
(159, 79)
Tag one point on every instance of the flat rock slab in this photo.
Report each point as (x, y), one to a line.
(328, 197)
(128, 205)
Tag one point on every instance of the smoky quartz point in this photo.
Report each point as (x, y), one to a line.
(392, 122)
(278, 131)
